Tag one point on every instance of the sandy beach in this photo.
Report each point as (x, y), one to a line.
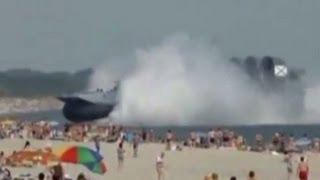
(189, 164)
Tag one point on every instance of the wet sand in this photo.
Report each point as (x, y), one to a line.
(189, 164)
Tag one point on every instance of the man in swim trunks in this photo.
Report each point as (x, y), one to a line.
(303, 169)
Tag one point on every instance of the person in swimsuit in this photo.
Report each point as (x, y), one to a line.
(288, 160)
(211, 135)
(168, 140)
(97, 144)
(303, 169)
(136, 140)
(193, 137)
(160, 166)
(120, 152)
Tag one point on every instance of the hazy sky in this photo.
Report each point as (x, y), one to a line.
(74, 34)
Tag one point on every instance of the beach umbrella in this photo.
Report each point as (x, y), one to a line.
(97, 167)
(80, 155)
(60, 150)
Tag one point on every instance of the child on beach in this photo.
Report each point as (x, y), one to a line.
(120, 152)
(160, 166)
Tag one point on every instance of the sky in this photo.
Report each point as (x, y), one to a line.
(70, 35)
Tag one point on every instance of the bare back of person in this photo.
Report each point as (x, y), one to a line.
(303, 169)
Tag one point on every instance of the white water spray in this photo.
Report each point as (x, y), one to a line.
(184, 81)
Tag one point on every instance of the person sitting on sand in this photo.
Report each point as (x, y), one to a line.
(303, 169)
(120, 153)
(160, 166)
(252, 175)
(168, 139)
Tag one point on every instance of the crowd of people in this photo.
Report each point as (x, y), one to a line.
(213, 138)
(280, 142)
(302, 171)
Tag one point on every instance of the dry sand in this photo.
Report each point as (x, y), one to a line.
(190, 164)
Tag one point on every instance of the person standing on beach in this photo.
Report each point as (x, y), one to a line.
(97, 144)
(160, 166)
(303, 169)
(120, 152)
(211, 134)
(27, 145)
(135, 141)
(193, 137)
(2, 159)
(288, 160)
(168, 139)
(218, 138)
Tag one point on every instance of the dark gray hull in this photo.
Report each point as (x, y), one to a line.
(79, 110)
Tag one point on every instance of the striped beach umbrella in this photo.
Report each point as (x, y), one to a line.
(80, 155)
(97, 167)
